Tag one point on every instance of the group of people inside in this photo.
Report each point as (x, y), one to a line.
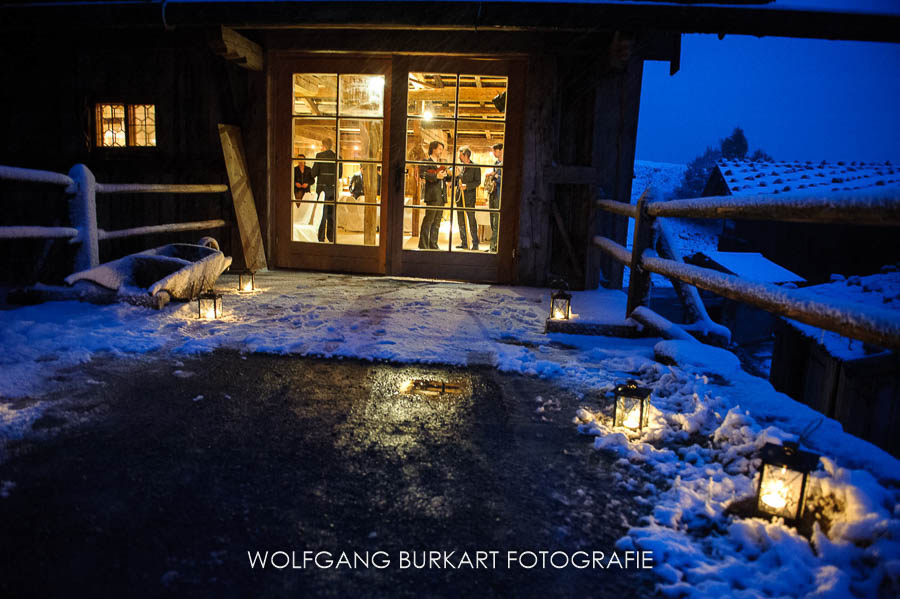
(436, 176)
(468, 178)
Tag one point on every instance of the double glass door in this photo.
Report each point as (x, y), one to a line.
(424, 196)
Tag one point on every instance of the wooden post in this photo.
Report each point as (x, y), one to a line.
(83, 212)
(639, 282)
(371, 137)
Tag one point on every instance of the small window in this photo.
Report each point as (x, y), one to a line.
(123, 125)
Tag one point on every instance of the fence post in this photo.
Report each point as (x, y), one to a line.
(639, 279)
(83, 213)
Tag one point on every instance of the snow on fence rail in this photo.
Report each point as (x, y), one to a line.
(82, 189)
(876, 326)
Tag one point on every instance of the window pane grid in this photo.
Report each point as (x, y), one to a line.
(124, 125)
(476, 121)
(142, 124)
(353, 111)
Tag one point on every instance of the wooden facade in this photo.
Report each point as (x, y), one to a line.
(574, 83)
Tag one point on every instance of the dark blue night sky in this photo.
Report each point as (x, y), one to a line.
(797, 99)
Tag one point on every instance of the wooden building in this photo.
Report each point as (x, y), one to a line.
(137, 91)
(814, 251)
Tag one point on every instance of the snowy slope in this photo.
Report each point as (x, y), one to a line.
(689, 235)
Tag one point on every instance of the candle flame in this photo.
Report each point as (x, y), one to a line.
(632, 419)
(774, 493)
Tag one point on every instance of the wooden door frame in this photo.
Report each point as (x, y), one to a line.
(457, 265)
(305, 255)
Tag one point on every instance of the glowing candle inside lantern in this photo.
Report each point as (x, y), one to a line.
(209, 312)
(633, 419)
(248, 286)
(558, 313)
(774, 492)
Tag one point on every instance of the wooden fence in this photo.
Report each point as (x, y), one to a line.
(869, 324)
(82, 189)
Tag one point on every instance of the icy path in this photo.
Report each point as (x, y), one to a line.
(709, 419)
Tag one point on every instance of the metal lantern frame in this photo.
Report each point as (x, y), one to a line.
(204, 300)
(243, 277)
(563, 298)
(631, 397)
(782, 464)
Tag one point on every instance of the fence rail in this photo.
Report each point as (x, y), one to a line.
(873, 325)
(14, 173)
(82, 188)
(38, 233)
(877, 209)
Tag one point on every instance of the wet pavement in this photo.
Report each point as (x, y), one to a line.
(155, 478)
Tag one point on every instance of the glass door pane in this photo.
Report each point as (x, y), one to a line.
(337, 161)
(454, 154)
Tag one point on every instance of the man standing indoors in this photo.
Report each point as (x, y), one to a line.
(435, 195)
(467, 183)
(323, 171)
(492, 184)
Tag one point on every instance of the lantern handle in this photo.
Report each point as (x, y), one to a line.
(559, 283)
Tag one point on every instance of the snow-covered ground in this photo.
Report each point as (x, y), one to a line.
(709, 417)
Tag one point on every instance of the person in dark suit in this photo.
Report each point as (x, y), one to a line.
(303, 178)
(467, 182)
(492, 182)
(435, 195)
(324, 173)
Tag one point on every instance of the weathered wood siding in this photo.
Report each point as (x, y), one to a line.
(54, 84)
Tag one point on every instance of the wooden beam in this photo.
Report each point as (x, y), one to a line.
(241, 194)
(233, 46)
(466, 94)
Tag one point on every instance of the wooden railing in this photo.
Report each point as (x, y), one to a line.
(869, 324)
(82, 189)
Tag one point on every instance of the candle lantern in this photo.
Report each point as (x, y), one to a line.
(632, 408)
(247, 281)
(561, 303)
(783, 480)
(209, 305)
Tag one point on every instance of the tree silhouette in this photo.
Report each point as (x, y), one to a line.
(733, 147)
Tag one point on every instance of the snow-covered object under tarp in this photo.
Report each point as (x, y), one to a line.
(175, 271)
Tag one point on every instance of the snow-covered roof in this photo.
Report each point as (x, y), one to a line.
(751, 266)
(746, 177)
